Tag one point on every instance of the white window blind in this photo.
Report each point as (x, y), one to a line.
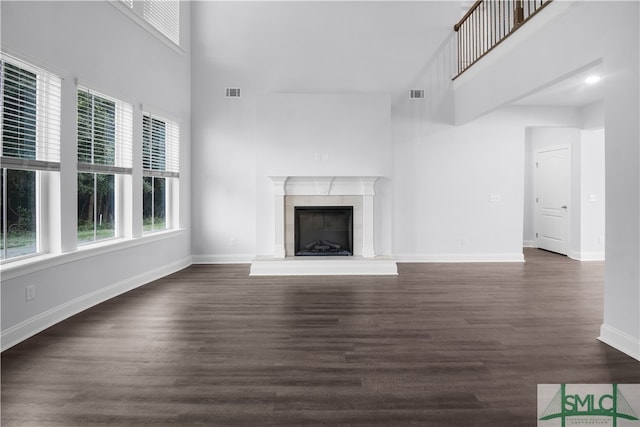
(160, 147)
(105, 133)
(30, 112)
(164, 15)
(128, 3)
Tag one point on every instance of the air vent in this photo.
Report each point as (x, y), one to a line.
(416, 94)
(233, 92)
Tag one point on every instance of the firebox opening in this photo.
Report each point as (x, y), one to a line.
(323, 230)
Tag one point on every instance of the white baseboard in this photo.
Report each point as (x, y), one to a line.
(620, 340)
(42, 321)
(223, 259)
(506, 257)
(586, 256)
(496, 257)
(528, 244)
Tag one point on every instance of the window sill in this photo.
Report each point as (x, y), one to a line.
(32, 264)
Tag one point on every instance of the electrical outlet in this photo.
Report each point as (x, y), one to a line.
(232, 242)
(464, 241)
(31, 292)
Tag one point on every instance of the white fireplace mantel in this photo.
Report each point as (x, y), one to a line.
(325, 186)
(325, 190)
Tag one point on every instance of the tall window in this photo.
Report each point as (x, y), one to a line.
(160, 146)
(104, 154)
(163, 15)
(30, 129)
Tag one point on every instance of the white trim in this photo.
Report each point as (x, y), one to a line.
(40, 322)
(222, 259)
(429, 258)
(11, 270)
(528, 244)
(586, 256)
(620, 340)
(322, 187)
(443, 258)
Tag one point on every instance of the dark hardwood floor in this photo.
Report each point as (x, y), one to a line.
(439, 345)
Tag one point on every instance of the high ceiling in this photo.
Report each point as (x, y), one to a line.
(324, 46)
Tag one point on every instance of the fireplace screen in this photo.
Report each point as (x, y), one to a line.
(323, 230)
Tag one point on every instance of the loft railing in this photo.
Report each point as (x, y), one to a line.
(489, 22)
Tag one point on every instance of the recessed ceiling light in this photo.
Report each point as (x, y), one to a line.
(592, 79)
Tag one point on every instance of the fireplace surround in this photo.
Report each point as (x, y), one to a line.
(290, 192)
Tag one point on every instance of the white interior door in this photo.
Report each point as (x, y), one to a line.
(553, 193)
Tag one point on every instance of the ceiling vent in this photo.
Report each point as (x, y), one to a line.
(232, 92)
(416, 94)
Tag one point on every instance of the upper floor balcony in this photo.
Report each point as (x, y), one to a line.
(488, 23)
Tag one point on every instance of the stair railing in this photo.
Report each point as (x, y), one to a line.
(488, 23)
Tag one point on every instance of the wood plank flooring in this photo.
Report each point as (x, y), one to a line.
(438, 345)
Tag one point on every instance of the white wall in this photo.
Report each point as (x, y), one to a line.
(592, 194)
(621, 325)
(445, 178)
(322, 135)
(593, 115)
(586, 207)
(567, 38)
(438, 178)
(442, 176)
(563, 27)
(104, 49)
(351, 54)
(443, 184)
(390, 47)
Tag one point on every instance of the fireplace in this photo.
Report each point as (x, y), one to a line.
(323, 231)
(303, 250)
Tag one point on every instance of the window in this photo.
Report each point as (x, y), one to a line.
(163, 15)
(104, 154)
(30, 129)
(160, 145)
